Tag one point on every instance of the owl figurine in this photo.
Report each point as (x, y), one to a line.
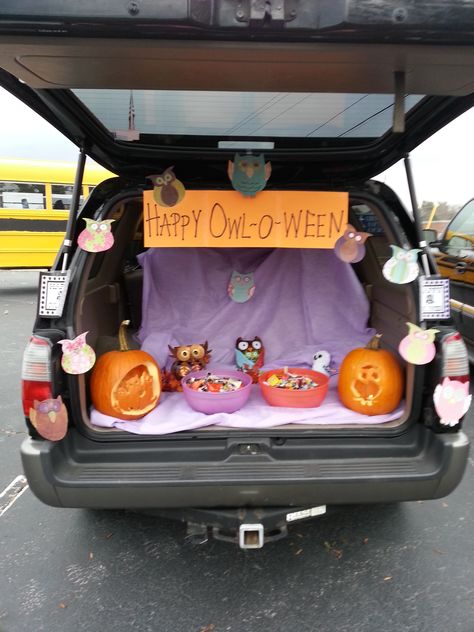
(78, 357)
(402, 267)
(452, 401)
(189, 358)
(323, 364)
(249, 173)
(350, 247)
(250, 356)
(49, 417)
(241, 287)
(96, 236)
(168, 190)
(418, 346)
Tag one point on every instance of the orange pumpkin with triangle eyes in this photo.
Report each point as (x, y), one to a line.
(126, 383)
(370, 380)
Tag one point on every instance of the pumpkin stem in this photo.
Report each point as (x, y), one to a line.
(374, 342)
(123, 336)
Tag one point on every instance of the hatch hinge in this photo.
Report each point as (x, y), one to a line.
(266, 12)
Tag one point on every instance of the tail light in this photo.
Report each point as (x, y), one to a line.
(36, 373)
(454, 357)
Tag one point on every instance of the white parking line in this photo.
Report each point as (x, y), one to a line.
(12, 493)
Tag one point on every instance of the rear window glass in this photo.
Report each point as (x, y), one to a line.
(243, 114)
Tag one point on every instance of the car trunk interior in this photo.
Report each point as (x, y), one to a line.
(111, 289)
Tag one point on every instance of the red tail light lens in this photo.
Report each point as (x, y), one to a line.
(455, 358)
(36, 373)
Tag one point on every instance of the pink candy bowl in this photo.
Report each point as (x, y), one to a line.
(211, 403)
(312, 398)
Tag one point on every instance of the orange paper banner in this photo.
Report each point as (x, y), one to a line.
(277, 219)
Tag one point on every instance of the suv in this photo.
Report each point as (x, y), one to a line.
(333, 94)
(455, 260)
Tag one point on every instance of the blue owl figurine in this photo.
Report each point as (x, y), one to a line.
(241, 287)
(249, 173)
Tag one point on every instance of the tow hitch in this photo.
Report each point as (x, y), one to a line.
(249, 528)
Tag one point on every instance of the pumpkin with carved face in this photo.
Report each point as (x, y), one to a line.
(370, 380)
(125, 384)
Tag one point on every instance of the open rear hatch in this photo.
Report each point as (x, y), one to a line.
(333, 93)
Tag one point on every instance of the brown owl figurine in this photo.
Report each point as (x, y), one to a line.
(189, 358)
(168, 190)
(49, 417)
(350, 247)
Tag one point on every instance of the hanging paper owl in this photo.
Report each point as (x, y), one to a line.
(49, 417)
(249, 173)
(418, 347)
(189, 358)
(168, 190)
(402, 267)
(452, 401)
(96, 236)
(78, 357)
(350, 247)
(241, 287)
(323, 364)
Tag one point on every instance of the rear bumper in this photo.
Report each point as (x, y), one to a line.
(78, 472)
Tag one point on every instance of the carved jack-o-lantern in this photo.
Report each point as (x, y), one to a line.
(370, 380)
(126, 383)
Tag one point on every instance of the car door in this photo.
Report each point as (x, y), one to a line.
(456, 261)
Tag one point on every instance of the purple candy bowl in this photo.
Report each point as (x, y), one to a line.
(211, 403)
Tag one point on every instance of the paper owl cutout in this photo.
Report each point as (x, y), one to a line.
(350, 247)
(78, 357)
(452, 401)
(249, 173)
(49, 417)
(418, 347)
(402, 267)
(168, 190)
(241, 287)
(189, 358)
(96, 236)
(323, 364)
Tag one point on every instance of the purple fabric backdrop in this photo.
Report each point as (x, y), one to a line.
(304, 300)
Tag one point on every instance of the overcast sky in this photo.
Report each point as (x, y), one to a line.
(442, 166)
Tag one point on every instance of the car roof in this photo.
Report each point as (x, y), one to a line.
(330, 94)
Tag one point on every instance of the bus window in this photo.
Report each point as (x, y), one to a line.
(22, 195)
(62, 196)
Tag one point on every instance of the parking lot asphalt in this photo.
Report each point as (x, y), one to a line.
(405, 567)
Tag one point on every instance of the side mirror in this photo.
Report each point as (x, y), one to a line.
(431, 237)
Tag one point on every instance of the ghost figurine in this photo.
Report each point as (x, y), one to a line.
(418, 346)
(241, 287)
(249, 173)
(78, 357)
(322, 363)
(452, 401)
(402, 267)
(350, 247)
(96, 236)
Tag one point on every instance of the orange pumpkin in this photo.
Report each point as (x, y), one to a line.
(370, 380)
(126, 383)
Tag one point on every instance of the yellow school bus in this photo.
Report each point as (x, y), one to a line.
(35, 198)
